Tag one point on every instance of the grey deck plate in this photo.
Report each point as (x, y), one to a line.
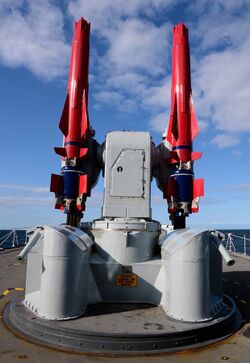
(118, 328)
(122, 319)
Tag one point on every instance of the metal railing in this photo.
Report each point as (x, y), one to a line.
(10, 240)
(237, 244)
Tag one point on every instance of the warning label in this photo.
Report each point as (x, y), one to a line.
(126, 280)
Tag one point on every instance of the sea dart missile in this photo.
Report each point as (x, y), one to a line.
(73, 186)
(182, 190)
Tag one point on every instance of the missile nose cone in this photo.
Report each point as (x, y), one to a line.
(180, 30)
(80, 25)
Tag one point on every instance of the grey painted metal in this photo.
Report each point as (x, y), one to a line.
(192, 290)
(149, 286)
(58, 290)
(126, 241)
(32, 241)
(127, 246)
(227, 258)
(181, 273)
(11, 345)
(127, 182)
(215, 276)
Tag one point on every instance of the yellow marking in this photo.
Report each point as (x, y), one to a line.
(5, 292)
(243, 301)
(126, 280)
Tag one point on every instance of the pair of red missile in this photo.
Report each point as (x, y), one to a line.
(72, 186)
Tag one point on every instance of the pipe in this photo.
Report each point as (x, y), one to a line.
(35, 238)
(227, 258)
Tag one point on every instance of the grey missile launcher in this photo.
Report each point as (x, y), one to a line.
(124, 262)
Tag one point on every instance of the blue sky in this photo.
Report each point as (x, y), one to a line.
(130, 80)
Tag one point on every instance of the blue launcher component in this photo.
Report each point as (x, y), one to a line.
(71, 181)
(184, 185)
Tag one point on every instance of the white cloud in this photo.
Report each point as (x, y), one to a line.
(225, 140)
(135, 56)
(221, 74)
(28, 188)
(158, 97)
(106, 13)
(11, 201)
(27, 195)
(159, 122)
(239, 187)
(32, 36)
(115, 99)
(129, 81)
(237, 153)
(136, 44)
(223, 80)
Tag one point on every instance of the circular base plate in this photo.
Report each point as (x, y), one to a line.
(121, 329)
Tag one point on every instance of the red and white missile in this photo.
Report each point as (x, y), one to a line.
(72, 187)
(182, 190)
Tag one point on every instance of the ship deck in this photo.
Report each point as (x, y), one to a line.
(236, 283)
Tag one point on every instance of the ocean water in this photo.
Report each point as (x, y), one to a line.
(238, 239)
(11, 238)
(20, 237)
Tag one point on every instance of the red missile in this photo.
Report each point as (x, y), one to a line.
(182, 190)
(183, 126)
(73, 186)
(74, 122)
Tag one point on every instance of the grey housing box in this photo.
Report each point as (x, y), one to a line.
(127, 160)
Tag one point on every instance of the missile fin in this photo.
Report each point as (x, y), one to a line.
(63, 124)
(172, 134)
(173, 157)
(56, 184)
(83, 184)
(195, 155)
(169, 133)
(194, 122)
(61, 151)
(85, 116)
(198, 188)
(83, 152)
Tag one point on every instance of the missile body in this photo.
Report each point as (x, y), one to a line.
(182, 190)
(73, 185)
